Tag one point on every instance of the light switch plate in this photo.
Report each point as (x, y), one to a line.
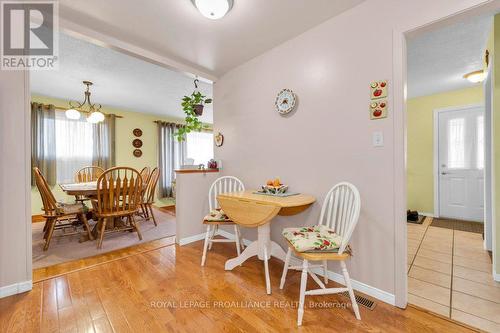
(378, 139)
(378, 89)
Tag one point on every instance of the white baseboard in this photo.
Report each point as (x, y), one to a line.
(496, 276)
(379, 294)
(229, 235)
(16, 288)
(427, 214)
(339, 278)
(190, 239)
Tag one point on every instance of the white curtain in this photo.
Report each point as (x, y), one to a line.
(74, 146)
(200, 147)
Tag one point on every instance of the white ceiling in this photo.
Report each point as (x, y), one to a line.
(120, 81)
(437, 60)
(175, 29)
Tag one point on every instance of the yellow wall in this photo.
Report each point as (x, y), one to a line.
(420, 123)
(124, 148)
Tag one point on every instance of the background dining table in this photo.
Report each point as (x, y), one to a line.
(89, 190)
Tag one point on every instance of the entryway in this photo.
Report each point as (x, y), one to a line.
(449, 120)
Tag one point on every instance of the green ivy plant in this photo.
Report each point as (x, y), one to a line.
(193, 124)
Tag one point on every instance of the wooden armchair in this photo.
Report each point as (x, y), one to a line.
(148, 198)
(119, 193)
(57, 215)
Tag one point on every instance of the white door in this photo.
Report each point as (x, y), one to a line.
(461, 163)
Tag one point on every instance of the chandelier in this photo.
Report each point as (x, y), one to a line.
(93, 113)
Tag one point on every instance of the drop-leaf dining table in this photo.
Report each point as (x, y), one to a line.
(249, 209)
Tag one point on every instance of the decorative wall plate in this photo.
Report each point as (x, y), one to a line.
(137, 143)
(285, 101)
(137, 152)
(219, 139)
(137, 132)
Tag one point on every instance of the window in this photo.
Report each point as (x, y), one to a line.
(200, 147)
(480, 142)
(456, 143)
(74, 146)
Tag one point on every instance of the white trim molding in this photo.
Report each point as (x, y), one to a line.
(427, 214)
(190, 239)
(16, 288)
(356, 285)
(496, 276)
(379, 294)
(229, 235)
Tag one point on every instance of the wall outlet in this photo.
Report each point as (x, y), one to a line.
(378, 139)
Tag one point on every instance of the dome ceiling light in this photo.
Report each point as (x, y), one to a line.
(213, 9)
(476, 76)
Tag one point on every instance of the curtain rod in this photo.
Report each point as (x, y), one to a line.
(61, 108)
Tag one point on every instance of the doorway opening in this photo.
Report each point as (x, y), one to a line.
(136, 98)
(449, 167)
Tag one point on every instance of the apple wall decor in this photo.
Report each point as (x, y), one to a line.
(378, 96)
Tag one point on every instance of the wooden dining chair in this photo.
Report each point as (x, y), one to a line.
(85, 175)
(88, 174)
(119, 192)
(148, 198)
(58, 215)
(145, 172)
(221, 185)
(340, 212)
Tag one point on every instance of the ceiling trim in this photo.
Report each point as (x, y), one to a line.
(94, 37)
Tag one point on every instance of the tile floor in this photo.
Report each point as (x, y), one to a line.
(449, 273)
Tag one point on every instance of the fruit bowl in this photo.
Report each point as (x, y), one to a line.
(271, 189)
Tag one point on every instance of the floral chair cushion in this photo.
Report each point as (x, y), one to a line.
(217, 215)
(313, 239)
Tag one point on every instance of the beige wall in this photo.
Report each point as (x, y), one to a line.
(15, 222)
(192, 204)
(496, 148)
(124, 148)
(329, 138)
(420, 142)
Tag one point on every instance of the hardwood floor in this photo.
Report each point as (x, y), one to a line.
(166, 290)
(45, 273)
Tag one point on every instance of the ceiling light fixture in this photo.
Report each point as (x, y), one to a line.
(476, 76)
(213, 9)
(94, 115)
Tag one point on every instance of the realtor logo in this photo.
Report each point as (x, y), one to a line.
(29, 35)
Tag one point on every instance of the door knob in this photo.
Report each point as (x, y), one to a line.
(444, 173)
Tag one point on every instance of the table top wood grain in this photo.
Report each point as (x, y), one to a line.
(252, 210)
(283, 202)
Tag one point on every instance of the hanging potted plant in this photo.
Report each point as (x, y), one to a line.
(193, 108)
